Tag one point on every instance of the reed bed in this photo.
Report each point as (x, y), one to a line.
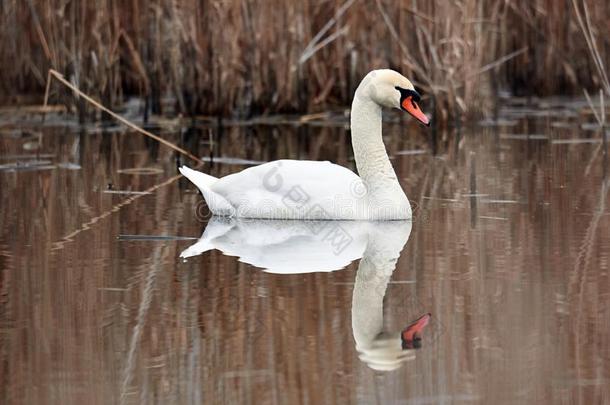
(240, 58)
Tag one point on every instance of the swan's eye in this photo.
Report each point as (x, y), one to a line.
(404, 93)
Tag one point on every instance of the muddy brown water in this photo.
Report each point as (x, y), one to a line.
(509, 250)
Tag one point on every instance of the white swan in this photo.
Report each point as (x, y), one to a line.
(292, 189)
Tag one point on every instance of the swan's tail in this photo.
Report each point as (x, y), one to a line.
(204, 182)
(216, 228)
(201, 180)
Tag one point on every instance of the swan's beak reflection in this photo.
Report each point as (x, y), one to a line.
(410, 106)
(411, 336)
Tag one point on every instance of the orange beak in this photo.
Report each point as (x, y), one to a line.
(412, 333)
(412, 108)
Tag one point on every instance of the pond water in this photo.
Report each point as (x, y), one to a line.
(508, 250)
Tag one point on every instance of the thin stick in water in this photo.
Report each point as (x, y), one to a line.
(60, 77)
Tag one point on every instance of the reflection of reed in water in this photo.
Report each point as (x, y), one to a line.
(147, 294)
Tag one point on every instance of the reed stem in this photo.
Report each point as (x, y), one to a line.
(124, 121)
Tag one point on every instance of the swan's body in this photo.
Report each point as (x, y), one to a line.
(291, 189)
(285, 189)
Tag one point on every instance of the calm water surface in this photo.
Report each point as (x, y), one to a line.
(509, 251)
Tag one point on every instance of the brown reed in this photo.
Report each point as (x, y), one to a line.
(58, 76)
(241, 58)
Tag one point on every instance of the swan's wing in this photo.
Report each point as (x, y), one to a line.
(292, 189)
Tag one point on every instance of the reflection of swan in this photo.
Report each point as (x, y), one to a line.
(381, 351)
(286, 247)
(292, 189)
(290, 247)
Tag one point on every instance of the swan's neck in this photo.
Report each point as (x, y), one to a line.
(374, 166)
(374, 272)
(367, 300)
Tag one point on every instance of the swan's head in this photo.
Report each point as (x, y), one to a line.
(385, 353)
(389, 88)
(388, 351)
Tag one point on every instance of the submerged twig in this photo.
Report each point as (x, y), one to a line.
(60, 77)
(153, 238)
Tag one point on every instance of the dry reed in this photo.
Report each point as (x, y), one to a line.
(241, 58)
(122, 120)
